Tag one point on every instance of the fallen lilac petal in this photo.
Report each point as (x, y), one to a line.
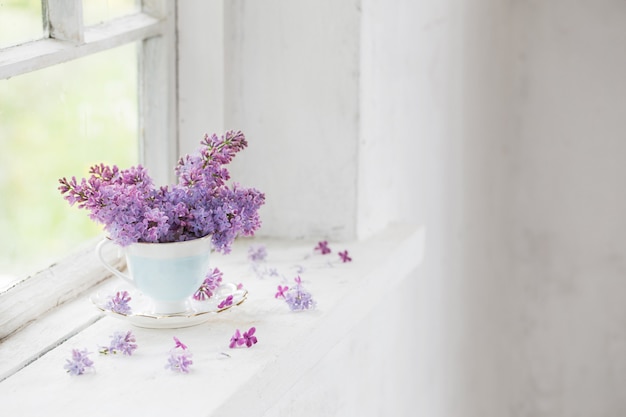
(228, 301)
(79, 363)
(121, 342)
(249, 337)
(179, 362)
(281, 291)
(179, 344)
(119, 303)
(299, 299)
(211, 282)
(344, 256)
(323, 247)
(235, 340)
(257, 253)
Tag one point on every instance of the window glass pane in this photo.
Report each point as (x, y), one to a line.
(20, 21)
(98, 11)
(56, 123)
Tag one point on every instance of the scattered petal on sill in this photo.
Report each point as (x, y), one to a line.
(179, 344)
(249, 337)
(344, 256)
(179, 361)
(257, 253)
(236, 340)
(119, 303)
(79, 363)
(121, 342)
(228, 301)
(322, 247)
(299, 298)
(281, 291)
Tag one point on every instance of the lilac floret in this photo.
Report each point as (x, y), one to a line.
(257, 253)
(121, 342)
(211, 282)
(179, 362)
(299, 299)
(79, 363)
(119, 303)
(226, 302)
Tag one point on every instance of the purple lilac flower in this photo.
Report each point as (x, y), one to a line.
(121, 342)
(119, 303)
(257, 253)
(79, 363)
(323, 247)
(179, 361)
(228, 301)
(281, 292)
(236, 340)
(200, 204)
(298, 298)
(211, 283)
(248, 338)
(179, 344)
(344, 256)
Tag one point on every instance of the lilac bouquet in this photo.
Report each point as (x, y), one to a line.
(132, 210)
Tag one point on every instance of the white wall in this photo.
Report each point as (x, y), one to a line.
(568, 204)
(516, 113)
(500, 126)
(291, 84)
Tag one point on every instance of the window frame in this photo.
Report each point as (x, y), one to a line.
(154, 27)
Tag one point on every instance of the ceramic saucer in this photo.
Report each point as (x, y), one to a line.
(197, 311)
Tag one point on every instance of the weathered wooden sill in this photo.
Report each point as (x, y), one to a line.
(299, 366)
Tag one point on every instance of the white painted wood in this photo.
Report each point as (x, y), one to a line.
(157, 8)
(41, 336)
(158, 96)
(200, 71)
(250, 381)
(63, 20)
(292, 86)
(47, 52)
(28, 299)
(33, 296)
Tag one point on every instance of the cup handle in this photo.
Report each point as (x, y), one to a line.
(110, 268)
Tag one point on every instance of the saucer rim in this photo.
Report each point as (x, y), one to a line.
(97, 298)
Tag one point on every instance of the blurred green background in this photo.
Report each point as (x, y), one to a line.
(58, 122)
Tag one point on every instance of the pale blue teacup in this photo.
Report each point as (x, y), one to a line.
(167, 273)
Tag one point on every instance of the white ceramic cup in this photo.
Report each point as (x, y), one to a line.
(167, 273)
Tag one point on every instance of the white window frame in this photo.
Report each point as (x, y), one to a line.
(65, 39)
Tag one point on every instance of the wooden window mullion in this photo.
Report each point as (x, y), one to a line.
(63, 20)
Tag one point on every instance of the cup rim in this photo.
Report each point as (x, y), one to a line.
(176, 249)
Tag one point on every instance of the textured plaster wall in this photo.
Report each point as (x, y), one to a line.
(291, 84)
(516, 113)
(568, 232)
(499, 125)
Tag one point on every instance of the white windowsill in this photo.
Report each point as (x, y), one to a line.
(249, 382)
